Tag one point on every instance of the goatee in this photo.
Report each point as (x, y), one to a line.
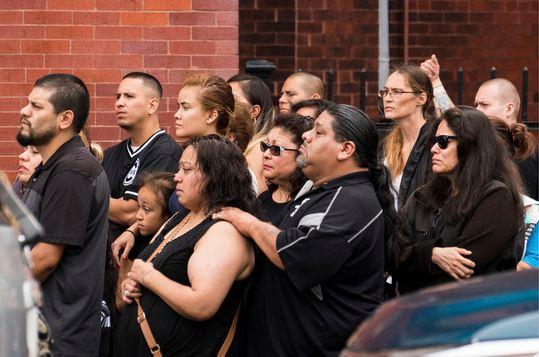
(302, 161)
(24, 140)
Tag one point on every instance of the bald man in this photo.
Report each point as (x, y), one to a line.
(499, 98)
(300, 86)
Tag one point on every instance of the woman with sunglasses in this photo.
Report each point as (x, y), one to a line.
(282, 174)
(407, 99)
(465, 221)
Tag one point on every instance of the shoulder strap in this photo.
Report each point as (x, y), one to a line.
(230, 335)
(155, 349)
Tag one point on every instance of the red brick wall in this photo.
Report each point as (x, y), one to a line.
(268, 31)
(475, 35)
(99, 41)
(313, 35)
(343, 34)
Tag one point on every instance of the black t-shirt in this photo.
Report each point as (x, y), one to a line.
(124, 166)
(529, 171)
(273, 211)
(69, 195)
(332, 248)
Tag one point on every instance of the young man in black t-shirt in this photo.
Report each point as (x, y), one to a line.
(148, 147)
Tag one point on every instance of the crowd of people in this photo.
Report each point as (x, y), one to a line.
(266, 232)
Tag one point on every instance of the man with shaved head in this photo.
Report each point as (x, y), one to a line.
(497, 97)
(300, 86)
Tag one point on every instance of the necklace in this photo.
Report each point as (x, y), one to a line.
(173, 234)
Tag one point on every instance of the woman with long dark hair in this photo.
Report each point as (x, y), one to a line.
(189, 280)
(464, 222)
(253, 92)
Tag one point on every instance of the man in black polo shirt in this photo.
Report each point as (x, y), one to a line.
(68, 194)
(322, 269)
(148, 147)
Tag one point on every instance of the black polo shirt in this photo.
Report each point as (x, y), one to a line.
(332, 248)
(124, 166)
(69, 195)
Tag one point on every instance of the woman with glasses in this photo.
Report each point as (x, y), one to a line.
(465, 221)
(282, 174)
(407, 99)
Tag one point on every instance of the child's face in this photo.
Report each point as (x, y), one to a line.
(150, 215)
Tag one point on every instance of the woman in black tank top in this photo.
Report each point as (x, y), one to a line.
(190, 278)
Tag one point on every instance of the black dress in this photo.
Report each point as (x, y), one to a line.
(176, 334)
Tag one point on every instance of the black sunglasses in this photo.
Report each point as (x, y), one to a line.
(275, 150)
(443, 140)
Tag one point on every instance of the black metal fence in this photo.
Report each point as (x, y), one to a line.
(460, 85)
(264, 69)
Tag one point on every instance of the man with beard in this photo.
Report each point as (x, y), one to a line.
(321, 271)
(68, 193)
(148, 147)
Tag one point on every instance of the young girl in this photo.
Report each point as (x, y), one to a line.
(153, 212)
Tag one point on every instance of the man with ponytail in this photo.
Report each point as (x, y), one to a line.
(322, 269)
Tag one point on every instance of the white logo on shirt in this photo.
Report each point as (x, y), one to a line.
(130, 177)
(297, 207)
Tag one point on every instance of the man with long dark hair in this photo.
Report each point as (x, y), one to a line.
(321, 271)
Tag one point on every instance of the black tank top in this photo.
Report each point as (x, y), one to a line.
(176, 335)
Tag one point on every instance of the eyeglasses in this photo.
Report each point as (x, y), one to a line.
(392, 92)
(275, 150)
(443, 140)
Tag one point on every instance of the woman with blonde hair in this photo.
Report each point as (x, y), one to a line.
(205, 106)
(407, 99)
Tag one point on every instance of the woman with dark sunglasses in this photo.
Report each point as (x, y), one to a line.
(284, 178)
(407, 100)
(465, 221)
